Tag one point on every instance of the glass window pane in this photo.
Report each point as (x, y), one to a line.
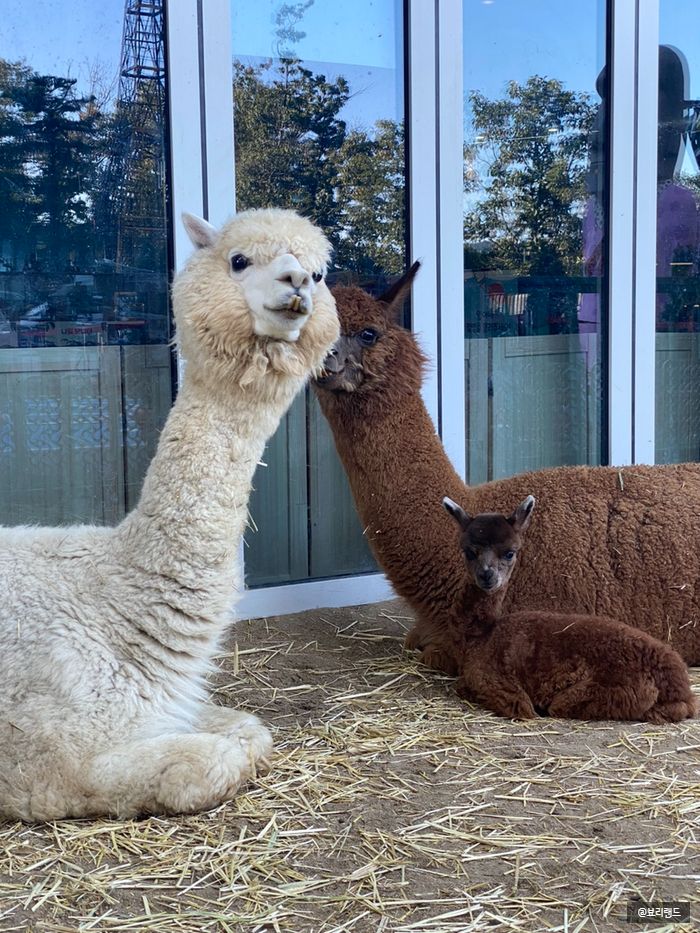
(85, 368)
(678, 236)
(319, 128)
(534, 234)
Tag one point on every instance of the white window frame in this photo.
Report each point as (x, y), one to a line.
(632, 253)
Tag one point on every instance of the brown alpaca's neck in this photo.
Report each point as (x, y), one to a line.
(399, 473)
(480, 607)
(194, 503)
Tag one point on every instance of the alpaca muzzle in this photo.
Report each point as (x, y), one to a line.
(341, 372)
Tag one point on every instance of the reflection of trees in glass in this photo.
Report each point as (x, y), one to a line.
(130, 207)
(82, 190)
(287, 19)
(533, 144)
(287, 133)
(15, 184)
(678, 287)
(48, 148)
(78, 183)
(371, 194)
(294, 150)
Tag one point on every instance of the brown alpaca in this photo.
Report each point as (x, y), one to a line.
(529, 662)
(623, 543)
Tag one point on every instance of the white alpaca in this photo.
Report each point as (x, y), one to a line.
(108, 633)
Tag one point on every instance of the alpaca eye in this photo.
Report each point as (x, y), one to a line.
(239, 262)
(509, 555)
(469, 554)
(317, 276)
(368, 337)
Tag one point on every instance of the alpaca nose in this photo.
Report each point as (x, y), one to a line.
(337, 357)
(297, 278)
(488, 576)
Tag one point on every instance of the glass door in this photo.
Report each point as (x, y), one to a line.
(318, 98)
(677, 434)
(535, 182)
(85, 366)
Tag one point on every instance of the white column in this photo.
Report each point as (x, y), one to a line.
(183, 85)
(422, 154)
(621, 247)
(450, 233)
(644, 369)
(217, 84)
(186, 185)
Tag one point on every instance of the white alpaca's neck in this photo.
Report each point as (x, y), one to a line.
(193, 508)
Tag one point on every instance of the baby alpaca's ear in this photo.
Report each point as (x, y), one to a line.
(520, 518)
(200, 232)
(456, 511)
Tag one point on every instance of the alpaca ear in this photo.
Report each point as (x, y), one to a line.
(200, 232)
(520, 518)
(395, 296)
(456, 511)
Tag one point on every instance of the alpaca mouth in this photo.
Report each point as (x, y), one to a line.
(342, 371)
(297, 305)
(293, 309)
(338, 380)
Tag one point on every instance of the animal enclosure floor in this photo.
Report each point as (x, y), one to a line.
(391, 806)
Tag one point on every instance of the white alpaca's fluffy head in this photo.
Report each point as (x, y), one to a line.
(253, 295)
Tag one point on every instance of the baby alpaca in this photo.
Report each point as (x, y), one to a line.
(526, 663)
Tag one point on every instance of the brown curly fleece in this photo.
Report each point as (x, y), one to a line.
(615, 542)
(575, 666)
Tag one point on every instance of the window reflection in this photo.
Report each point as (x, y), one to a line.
(83, 257)
(326, 137)
(678, 237)
(534, 235)
(678, 223)
(319, 128)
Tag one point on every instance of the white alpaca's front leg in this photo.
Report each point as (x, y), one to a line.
(174, 773)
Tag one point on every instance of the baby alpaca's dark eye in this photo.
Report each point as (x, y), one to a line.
(368, 336)
(469, 554)
(317, 276)
(509, 555)
(239, 262)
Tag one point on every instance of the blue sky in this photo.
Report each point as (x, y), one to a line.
(504, 39)
(361, 40)
(513, 39)
(56, 37)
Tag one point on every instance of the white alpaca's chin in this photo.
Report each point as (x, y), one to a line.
(277, 331)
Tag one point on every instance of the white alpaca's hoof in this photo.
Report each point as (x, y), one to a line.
(258, 739)
(244, 728)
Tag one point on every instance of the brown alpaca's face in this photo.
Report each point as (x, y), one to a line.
(363, 347)
(373, 347)
(490, 542)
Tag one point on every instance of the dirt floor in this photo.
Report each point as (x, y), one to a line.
(391, 806)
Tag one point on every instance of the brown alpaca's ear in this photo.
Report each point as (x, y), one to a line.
(456, 511)
(520, 518)
(395, 296)
(200, 231)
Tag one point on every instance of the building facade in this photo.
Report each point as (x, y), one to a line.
(539, 158)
